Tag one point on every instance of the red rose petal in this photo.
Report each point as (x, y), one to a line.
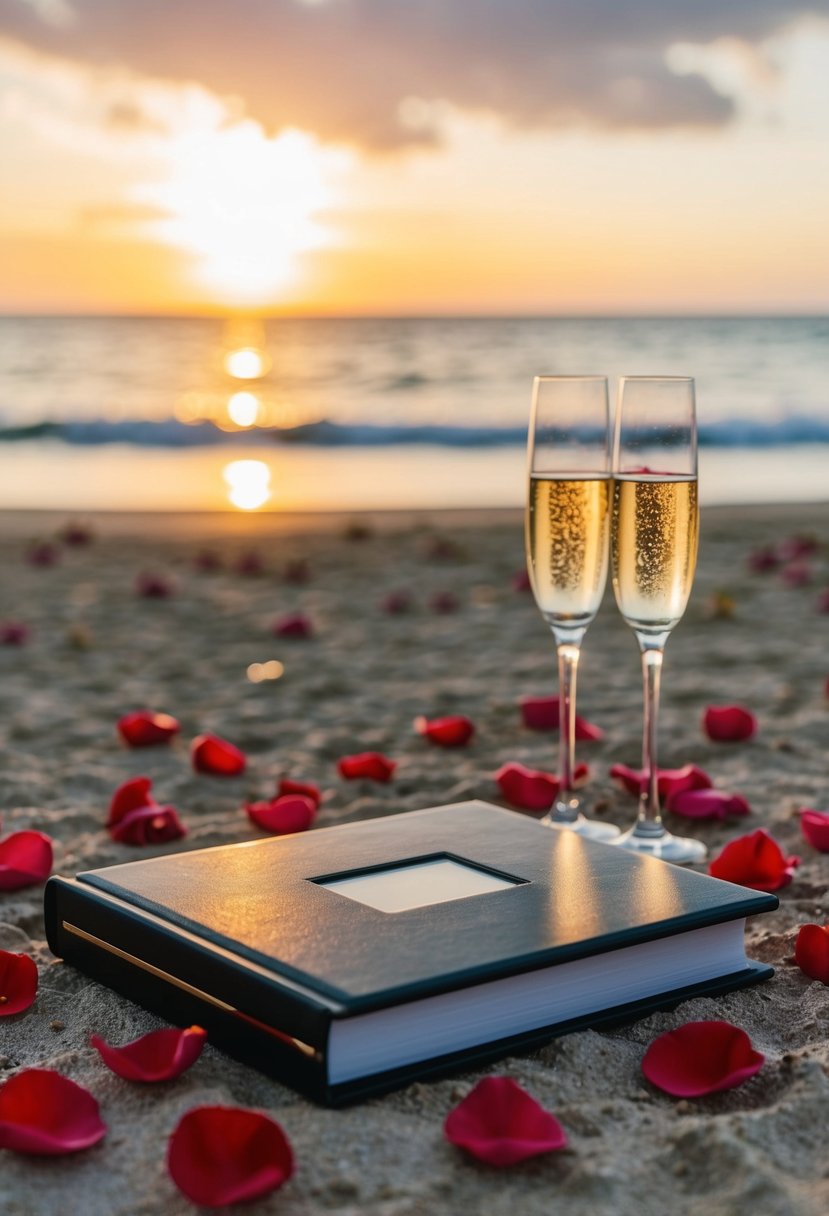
(225, 1154)
(296, 625)
(43, 554)
(528, 788)
(148, 825)
(296, 572)
(207, 561)
(707, 804)
(306, 788)
(153, 586)
(454, 731)
(144, 728)
(210, 754)
(160, 1055)
(501, 1124)
(671, 780)
(823, 601)
(797, 574)
(288, 813)
(701, 1058)
(396, 603)
(521, 581)
(45, 1114)
(542, 713)
(755, 861)
(25, 859)
(133, 795)
(372, 766)
(728, 723)
(18, 982)
(14, 633)
(443, 603)
(815, 827)
(764, 559)
(249, 563)
(811, 952)
(76, 534)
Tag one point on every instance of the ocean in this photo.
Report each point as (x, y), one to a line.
(122, 413)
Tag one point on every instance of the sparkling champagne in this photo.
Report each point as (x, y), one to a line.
(655, 523)
(567, 532)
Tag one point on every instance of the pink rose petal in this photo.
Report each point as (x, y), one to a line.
(670, 780)
(707, 804)
(160, 1055)
(701, 1058)
(500, 1124)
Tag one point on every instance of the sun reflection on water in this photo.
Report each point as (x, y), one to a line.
(243, 409)
(248, 483)
(246, 363)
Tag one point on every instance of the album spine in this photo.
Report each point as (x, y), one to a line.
(187, 981)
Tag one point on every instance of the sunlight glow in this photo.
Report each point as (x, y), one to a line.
(248, 482)
(246, 364)
(243, 409)
(244, 204)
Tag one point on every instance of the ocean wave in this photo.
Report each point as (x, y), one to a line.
(171, 433)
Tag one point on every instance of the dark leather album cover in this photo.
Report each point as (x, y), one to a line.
(349, 959)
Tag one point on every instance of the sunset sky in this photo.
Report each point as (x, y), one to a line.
(414, 156)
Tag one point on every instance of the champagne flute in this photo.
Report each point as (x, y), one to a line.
(654, 536)
(566, 533)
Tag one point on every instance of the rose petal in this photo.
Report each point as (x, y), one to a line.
(707, 804)
(764, 559)
(756, 861)
(160, 1055)
(396, 603)
(25, 859)
(728, 723)
(670, 780)
(43, 554)
(823, 601)
(295, 625)
(225, 1154)
(14, 633)
(207, 561)
(443, 603)
(144, 728)
(701, 1058)
(288, 813)
(797, 574)
(45, 1114)
(249, 563)
(454, 731)
(501, 1124)
(811, 952)
(528, 788)
(148, 825)
(542, 713)
(814, 826)
(133, 795)
(76, 534)
(153, 586)
(210, 754)
(18, 982)
(306, 788)
(372, 766)
(521, 581)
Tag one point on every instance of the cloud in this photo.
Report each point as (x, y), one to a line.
(350, 70)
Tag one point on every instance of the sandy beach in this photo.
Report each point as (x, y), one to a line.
(98, 650)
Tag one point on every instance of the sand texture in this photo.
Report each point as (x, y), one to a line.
(98, 650)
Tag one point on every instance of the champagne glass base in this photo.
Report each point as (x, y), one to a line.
(682, 850)
(583, 827)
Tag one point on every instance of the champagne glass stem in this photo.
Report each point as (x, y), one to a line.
(650, 818)
(567, 804)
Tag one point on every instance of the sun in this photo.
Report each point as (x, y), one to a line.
(245, 205)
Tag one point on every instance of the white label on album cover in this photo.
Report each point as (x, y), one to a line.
(417, 884)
